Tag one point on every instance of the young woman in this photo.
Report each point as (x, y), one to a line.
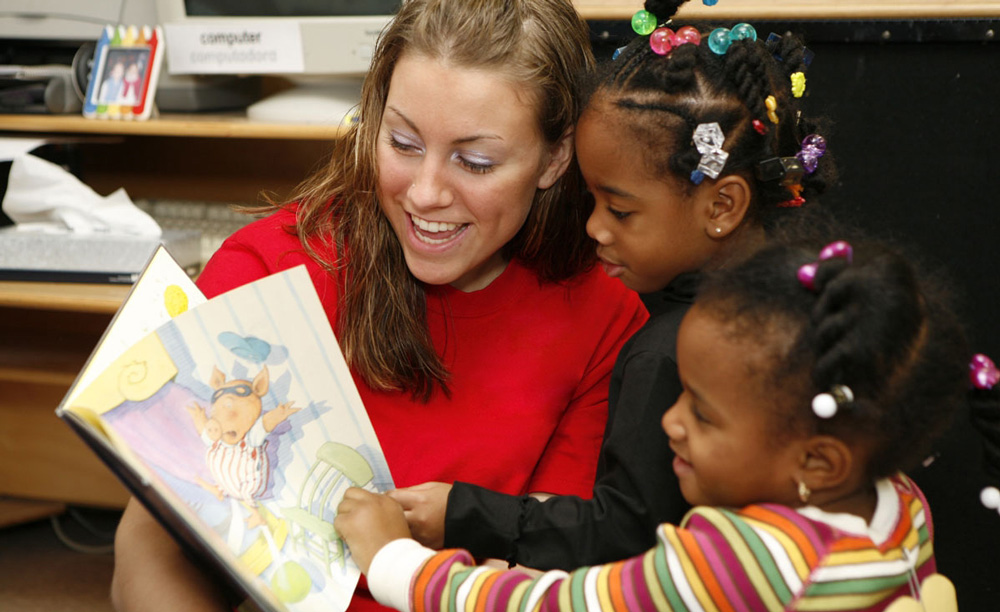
(446, 240)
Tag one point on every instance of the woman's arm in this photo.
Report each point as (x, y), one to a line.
(152, 574)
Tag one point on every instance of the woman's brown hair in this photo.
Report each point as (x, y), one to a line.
(543, 45)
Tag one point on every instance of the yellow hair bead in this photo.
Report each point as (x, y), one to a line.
(798, 84)
(772, 105)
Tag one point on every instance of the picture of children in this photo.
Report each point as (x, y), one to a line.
(131, 85)
(123, 84)
(111, 88)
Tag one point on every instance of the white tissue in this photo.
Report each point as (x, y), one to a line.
(42, 197)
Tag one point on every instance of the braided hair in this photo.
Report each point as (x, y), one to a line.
(874, 324)
(663, 98)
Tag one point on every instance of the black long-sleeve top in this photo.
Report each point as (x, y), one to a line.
(635, 489)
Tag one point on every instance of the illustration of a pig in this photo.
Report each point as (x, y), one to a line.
(236, 436)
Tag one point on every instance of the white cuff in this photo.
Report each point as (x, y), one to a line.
(392, 570)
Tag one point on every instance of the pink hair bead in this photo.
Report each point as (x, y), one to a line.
(807, 275)
(688, 34)
(840, 249)
(661, 41)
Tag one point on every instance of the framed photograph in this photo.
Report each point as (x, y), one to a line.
(125, 72)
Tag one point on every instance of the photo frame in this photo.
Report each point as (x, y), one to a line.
(125, 73)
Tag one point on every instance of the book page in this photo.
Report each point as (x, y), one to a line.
(242, 412)
(162, 291)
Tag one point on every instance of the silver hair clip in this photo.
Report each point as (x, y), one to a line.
(825, 405)
(708, 139)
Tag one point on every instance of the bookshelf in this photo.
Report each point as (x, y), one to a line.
(47, 330)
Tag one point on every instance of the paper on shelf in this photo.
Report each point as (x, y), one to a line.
(43, 197)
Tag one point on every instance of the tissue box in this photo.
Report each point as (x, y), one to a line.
(89, 258)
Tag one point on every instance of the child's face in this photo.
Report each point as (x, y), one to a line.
(719, 428)
(647, 229)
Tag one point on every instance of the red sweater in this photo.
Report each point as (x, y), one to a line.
(530, 365)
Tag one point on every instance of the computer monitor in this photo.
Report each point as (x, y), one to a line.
(323, 46)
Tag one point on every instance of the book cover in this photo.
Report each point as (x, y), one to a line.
(237, 423)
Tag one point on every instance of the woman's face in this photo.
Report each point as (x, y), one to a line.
(460, 157)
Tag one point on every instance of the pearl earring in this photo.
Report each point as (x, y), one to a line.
(804, 492)
(718, 230)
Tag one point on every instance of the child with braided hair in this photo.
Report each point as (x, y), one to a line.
(811, 377)
(690, 170)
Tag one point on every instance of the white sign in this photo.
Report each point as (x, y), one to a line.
(246, 47)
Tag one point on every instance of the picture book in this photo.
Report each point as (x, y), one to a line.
(236, 422)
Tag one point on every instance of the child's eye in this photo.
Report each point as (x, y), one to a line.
(697, 413)
(621, 215)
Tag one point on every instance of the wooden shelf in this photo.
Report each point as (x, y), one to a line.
(71, 297)
(748, 10)
(234, 125)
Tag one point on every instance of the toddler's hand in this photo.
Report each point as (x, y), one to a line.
(367, 522)
(424, 506)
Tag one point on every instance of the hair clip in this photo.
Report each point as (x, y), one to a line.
(983, 373)
(664, 40)
(720, 38)
(708, 139)
(826, 405)
(798, 83)
(807, 272)
(772, 44)
(813, 148)
(788, 170)
(643, 22)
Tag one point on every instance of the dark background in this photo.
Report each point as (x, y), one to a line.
(915, 107)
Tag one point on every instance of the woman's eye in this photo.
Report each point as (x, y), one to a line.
(401, 145)
(475, 165)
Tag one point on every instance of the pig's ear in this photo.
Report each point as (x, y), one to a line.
(218, 378)
(260, 382)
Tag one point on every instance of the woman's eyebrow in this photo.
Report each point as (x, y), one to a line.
(463, 140)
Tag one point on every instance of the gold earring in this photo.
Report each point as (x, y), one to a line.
(804, 492)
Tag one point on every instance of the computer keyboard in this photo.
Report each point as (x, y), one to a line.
(215, 220)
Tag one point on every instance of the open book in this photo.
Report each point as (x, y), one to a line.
(236, 421)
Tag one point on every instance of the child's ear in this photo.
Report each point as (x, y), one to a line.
(826, 463)
(725, 205)
(560, 155)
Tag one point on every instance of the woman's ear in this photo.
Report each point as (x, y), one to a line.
(560, 155)
(724, 203)
(826, 463)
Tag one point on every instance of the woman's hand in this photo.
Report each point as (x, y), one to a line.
(424, 506)
(367, 522)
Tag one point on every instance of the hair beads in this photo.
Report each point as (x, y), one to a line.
(664, 40)
(643, 22)
(720, 38)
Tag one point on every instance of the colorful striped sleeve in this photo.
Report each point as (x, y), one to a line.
(719, 561)
(761, 558)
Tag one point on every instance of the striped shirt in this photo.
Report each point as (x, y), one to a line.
(241, 470)
(763, 557)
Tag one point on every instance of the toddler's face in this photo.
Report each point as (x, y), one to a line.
(647, 228)
(720, 427)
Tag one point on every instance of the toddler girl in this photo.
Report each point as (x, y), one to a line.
(811, 377)
(690, 168)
